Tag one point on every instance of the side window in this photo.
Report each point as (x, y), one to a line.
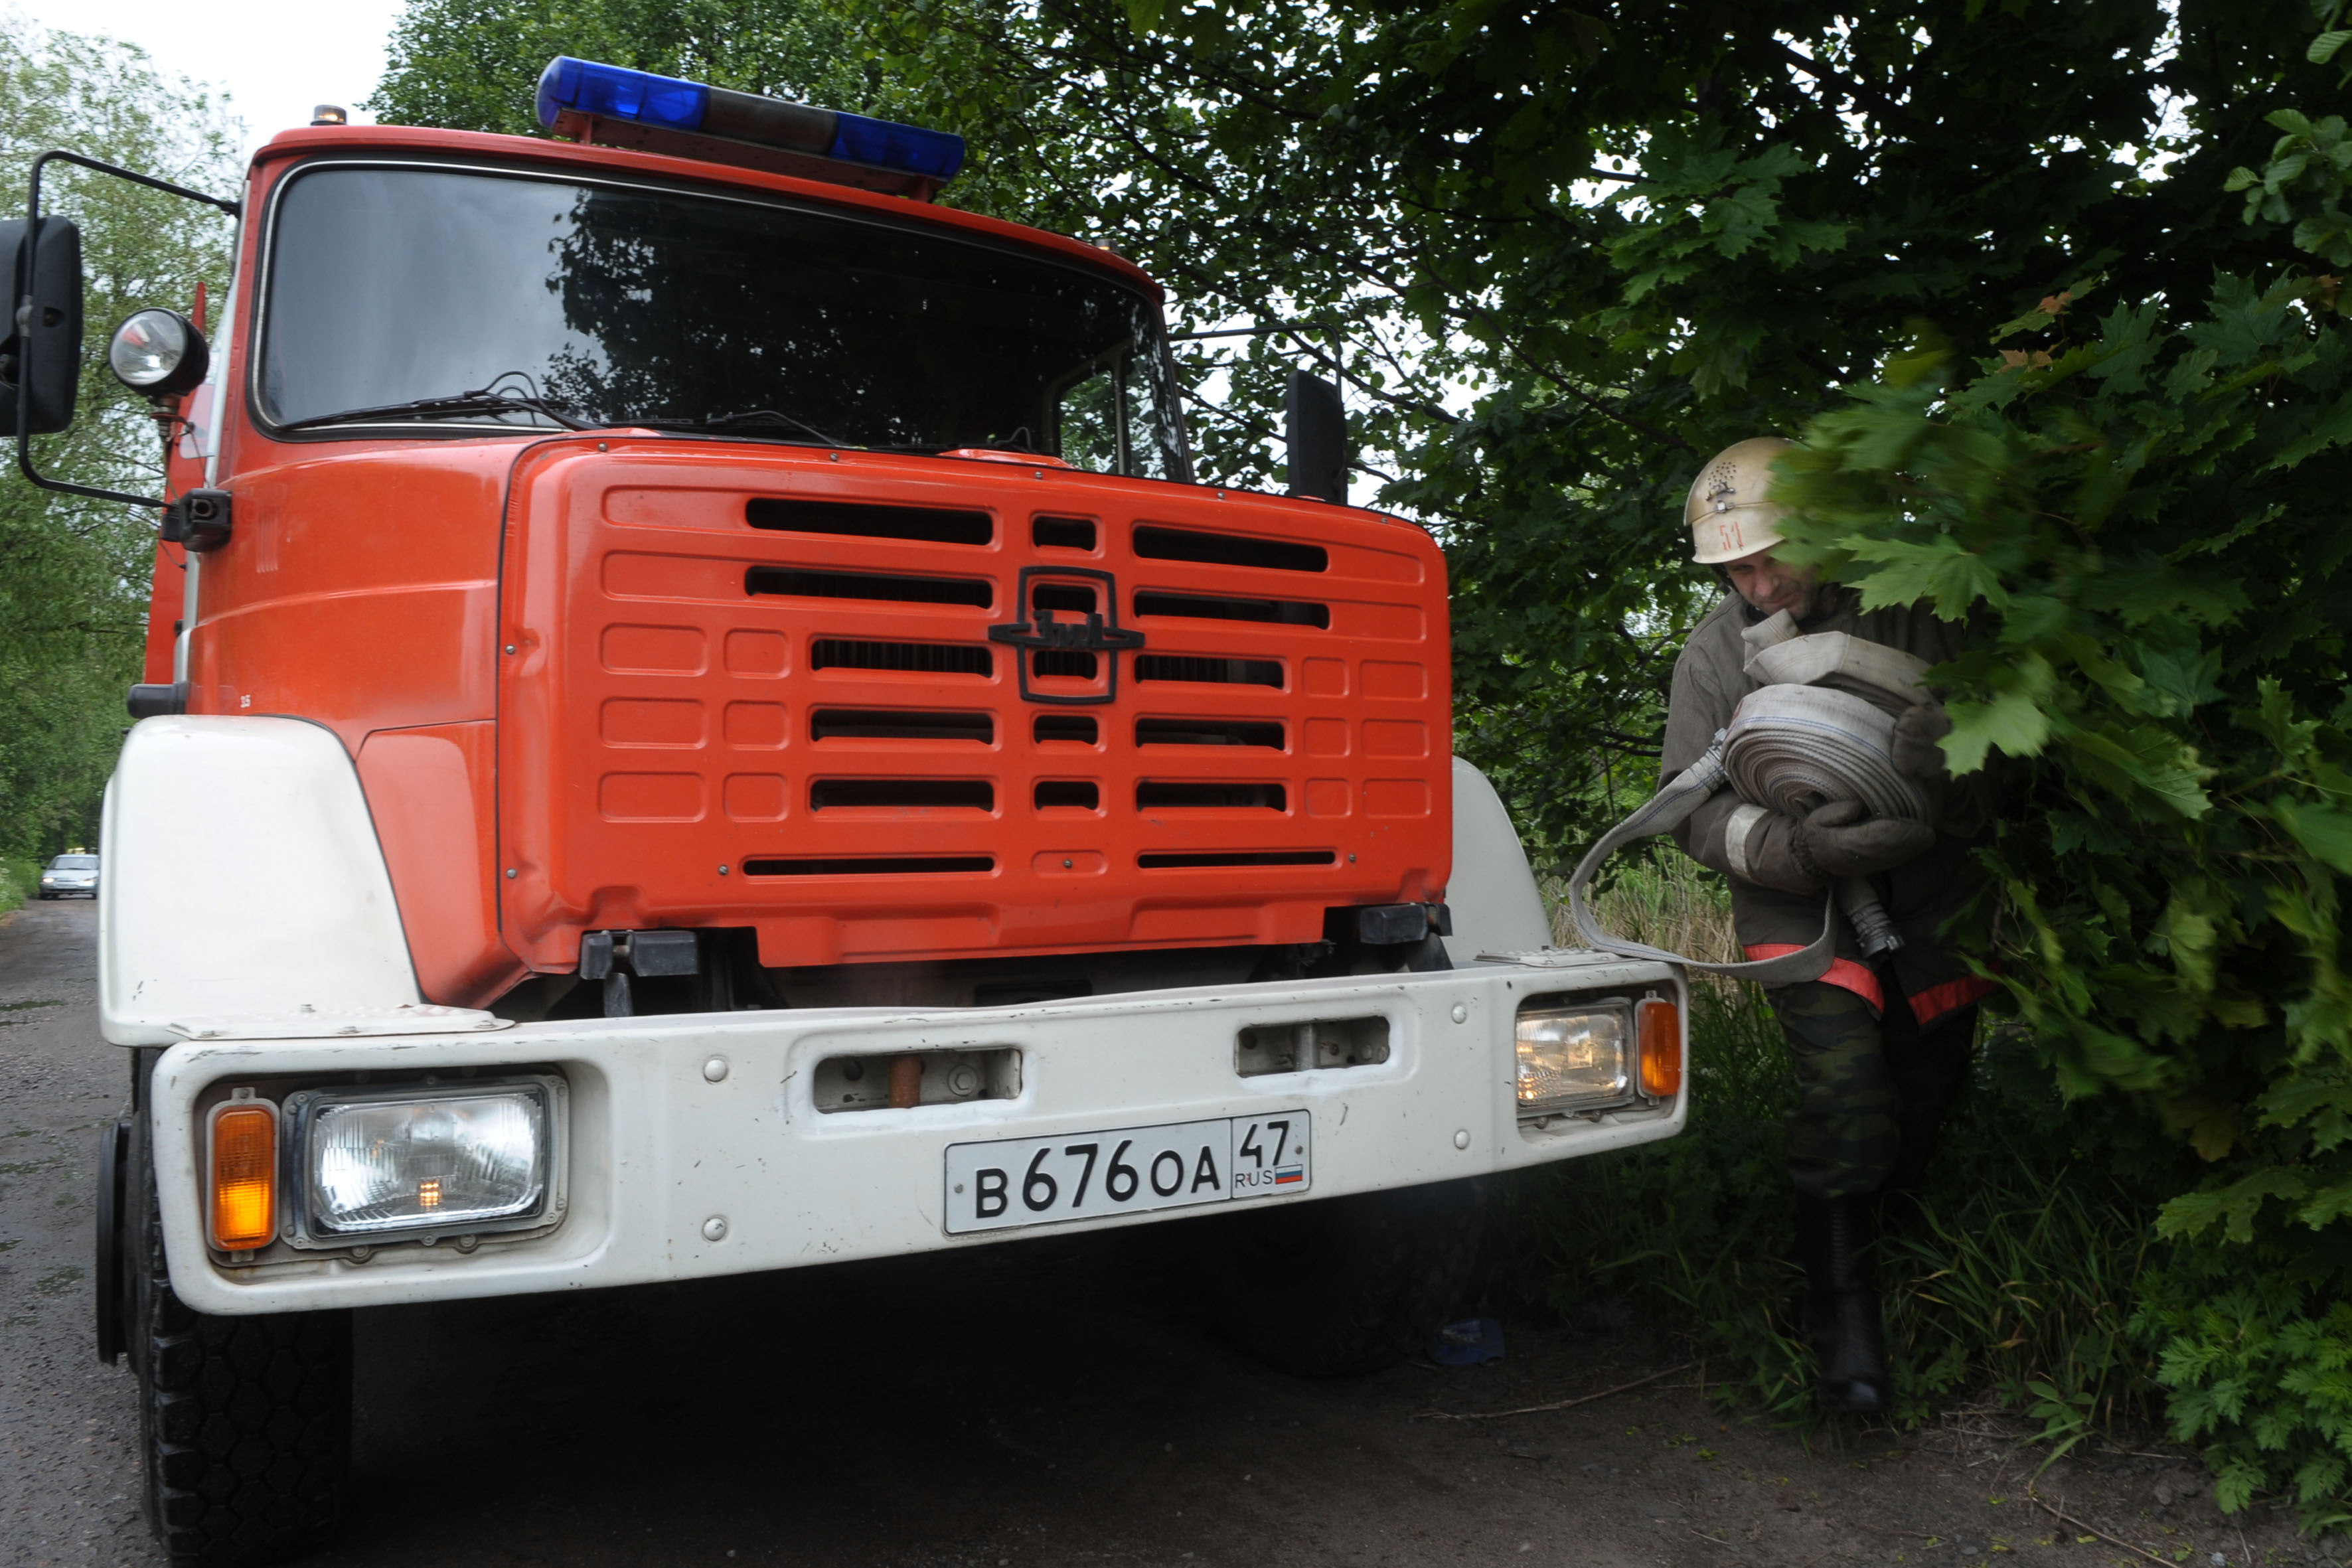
(1151, 448)
(1089, 427)
(1114, 419)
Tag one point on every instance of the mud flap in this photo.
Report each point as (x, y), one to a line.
(107, 1277)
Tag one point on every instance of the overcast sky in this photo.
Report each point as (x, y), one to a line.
(274, 59)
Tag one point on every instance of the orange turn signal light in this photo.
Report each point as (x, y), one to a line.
(1658, 1034)
(243, 1174)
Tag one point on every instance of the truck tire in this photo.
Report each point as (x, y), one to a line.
(245, 1424)
(1343, 1285)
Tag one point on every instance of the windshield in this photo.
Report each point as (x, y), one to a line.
(623, 304)
(74, 863)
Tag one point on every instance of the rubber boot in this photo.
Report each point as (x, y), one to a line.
(1842, 1319)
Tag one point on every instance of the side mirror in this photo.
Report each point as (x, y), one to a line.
(40, 356)
(1315, 427)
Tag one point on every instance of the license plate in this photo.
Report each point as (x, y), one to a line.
(1090, 1175)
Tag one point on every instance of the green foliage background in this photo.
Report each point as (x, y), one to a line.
(74, 574)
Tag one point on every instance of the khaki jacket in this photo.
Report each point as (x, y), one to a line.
(1920, 897)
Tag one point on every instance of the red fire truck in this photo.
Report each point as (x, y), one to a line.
(698, 720)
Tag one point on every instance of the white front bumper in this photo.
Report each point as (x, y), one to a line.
(657, 1150)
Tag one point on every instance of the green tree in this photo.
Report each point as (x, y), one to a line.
(74, 574)
(1559, 254)
(472, 67)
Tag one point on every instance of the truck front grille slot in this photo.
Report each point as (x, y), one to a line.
(930, 525)
(1079, 727)
(873, 865)
(834, 794)
(936, 1078)
(1202, 608)
(1211, 671)
(1061, 534)
(1208, 732)
(1068, 661)
(1157, 543)
(1264, 1049)
(1165, 793)
(898, 724)
(1075, 596)
(917, 657)
(798, 583)
(1080, 793)
(1235, 857)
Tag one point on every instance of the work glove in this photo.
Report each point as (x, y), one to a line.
(1916, 755)
(1767, 854)
(1840, 839)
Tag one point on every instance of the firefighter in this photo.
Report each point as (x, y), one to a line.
(1881, 1048)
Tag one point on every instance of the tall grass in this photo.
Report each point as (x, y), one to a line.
(2023, 1285)
(2009, 1274)
(1664, 900)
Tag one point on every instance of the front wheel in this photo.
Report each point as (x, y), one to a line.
(1340, 1286)
(244, 1423)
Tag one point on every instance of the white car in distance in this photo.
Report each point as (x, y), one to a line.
(68, 875)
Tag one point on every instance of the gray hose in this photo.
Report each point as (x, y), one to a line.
(1790, 748)
(1665, 811)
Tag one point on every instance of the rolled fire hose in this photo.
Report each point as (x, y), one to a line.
(1804, 739)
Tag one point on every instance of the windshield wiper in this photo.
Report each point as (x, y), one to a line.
(747, 419)
(1020, 440)
(485, 401)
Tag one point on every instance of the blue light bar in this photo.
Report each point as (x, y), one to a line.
(907, 148)
(616, 92)
(622, 93)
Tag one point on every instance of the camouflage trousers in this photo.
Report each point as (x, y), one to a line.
(1872, 1092)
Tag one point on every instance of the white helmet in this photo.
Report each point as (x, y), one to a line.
(1727, 512)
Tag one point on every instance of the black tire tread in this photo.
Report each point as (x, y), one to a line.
(244, 1423)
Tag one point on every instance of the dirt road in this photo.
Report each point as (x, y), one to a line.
(1034, 1404)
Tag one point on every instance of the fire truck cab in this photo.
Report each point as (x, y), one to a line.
(699, 720)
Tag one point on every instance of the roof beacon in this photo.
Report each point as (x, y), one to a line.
(617, 106)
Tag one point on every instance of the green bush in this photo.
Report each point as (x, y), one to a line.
(2256, 1340)
(19, 877)
(2145, 516)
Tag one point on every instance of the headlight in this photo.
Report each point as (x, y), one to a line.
(1575, 1059)
(435, 1160)
(158, 352)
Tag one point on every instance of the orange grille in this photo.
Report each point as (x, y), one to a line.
(856, 702)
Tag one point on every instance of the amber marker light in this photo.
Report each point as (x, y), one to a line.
(1658, 1029)
(243, 1174)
